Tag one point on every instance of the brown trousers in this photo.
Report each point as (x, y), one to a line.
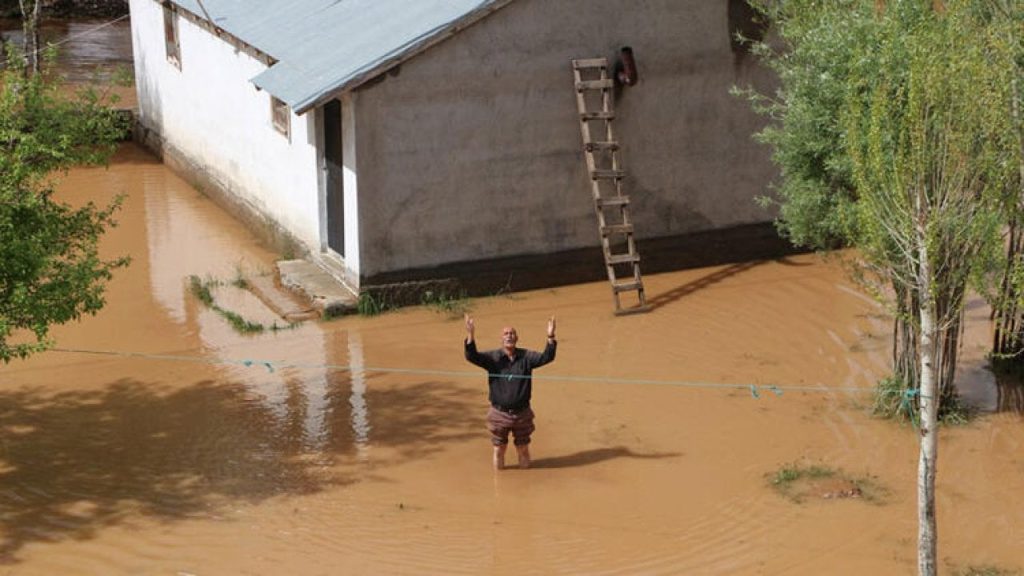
(500, 423)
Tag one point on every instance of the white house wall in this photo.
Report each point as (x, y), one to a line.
(472, 150)
(211, 116)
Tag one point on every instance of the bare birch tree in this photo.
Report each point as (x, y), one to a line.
(30, 46)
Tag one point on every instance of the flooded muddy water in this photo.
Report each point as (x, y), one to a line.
(161, 441)
(158, 440)
(88, 52)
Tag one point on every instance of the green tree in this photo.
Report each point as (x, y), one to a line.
(51, 270)
(910, 152)
(1005, 24)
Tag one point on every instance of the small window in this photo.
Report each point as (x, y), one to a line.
(171, 41)
(280, 116)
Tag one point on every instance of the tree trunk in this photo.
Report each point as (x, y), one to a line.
(30, 31)
(929, 400)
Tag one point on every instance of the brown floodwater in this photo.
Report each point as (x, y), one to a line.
(95, 52)
(358, 445)
(161, 441)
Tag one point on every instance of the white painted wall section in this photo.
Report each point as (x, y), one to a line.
(351, 183)
(209, 112)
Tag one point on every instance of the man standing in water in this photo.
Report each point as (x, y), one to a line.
(509, 379)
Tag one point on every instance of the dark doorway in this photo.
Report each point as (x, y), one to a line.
(335, 177)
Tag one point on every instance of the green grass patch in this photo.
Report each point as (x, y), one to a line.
(802, 482)
(203, 291)
(893, 401)
(453, 306)
(370, 305)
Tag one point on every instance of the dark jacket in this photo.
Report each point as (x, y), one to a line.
(510, 381)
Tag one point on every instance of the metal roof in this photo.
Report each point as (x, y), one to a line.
(323, 47)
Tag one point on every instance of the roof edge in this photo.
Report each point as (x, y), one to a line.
(405, 53)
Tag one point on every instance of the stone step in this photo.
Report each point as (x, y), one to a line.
(285, 303)
(323, 292)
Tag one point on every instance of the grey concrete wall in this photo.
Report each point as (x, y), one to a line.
(472, 150)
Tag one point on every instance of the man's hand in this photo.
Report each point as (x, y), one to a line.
(551, 328)
(470, 328)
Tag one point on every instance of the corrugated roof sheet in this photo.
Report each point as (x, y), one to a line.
(326, 46)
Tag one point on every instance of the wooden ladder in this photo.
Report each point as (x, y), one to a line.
(594, 102)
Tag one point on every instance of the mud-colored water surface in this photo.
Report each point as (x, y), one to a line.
(88, 52)
(159, 441)
(358, 445)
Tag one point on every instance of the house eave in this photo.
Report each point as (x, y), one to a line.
(400, 56)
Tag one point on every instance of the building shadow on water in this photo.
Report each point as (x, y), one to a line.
(597, 455)
(74, 463)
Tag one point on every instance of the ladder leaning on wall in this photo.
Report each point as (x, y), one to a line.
(595, 104)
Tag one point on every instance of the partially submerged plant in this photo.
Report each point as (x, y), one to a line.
(454, 306)
(203, 291)
(798, 482)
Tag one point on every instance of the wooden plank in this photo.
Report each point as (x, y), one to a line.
(598, 115)
(609, 146)
(590, 63)
(617, 229)
(613, 259)
(607, 174)
(612, 201)
(604, 84)
(627, 286)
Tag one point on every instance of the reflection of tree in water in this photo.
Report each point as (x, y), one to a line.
(1010, 388)
(73, 463)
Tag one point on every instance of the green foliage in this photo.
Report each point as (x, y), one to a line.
(452, 306)
(891, 400)
(201, 289)
(797, 482)
(816, 193)
(52, 272)
(370, 305)
(790, 473)
(897, 400)
(893, 131)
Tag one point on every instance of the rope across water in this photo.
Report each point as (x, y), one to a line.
(273, 365)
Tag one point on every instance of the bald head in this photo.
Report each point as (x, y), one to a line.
(509, 337)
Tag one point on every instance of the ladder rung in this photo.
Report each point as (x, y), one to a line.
(600, 115)
(612, 201)
(607, 174)
(627, 286)
(617, 229)
(622, 258)
(591, 146)
(603, 84)
(590, 63)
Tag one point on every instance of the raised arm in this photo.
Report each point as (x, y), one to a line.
(472, 355)
(539, 359)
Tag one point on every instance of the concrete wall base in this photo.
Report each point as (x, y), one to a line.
(533, 271)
